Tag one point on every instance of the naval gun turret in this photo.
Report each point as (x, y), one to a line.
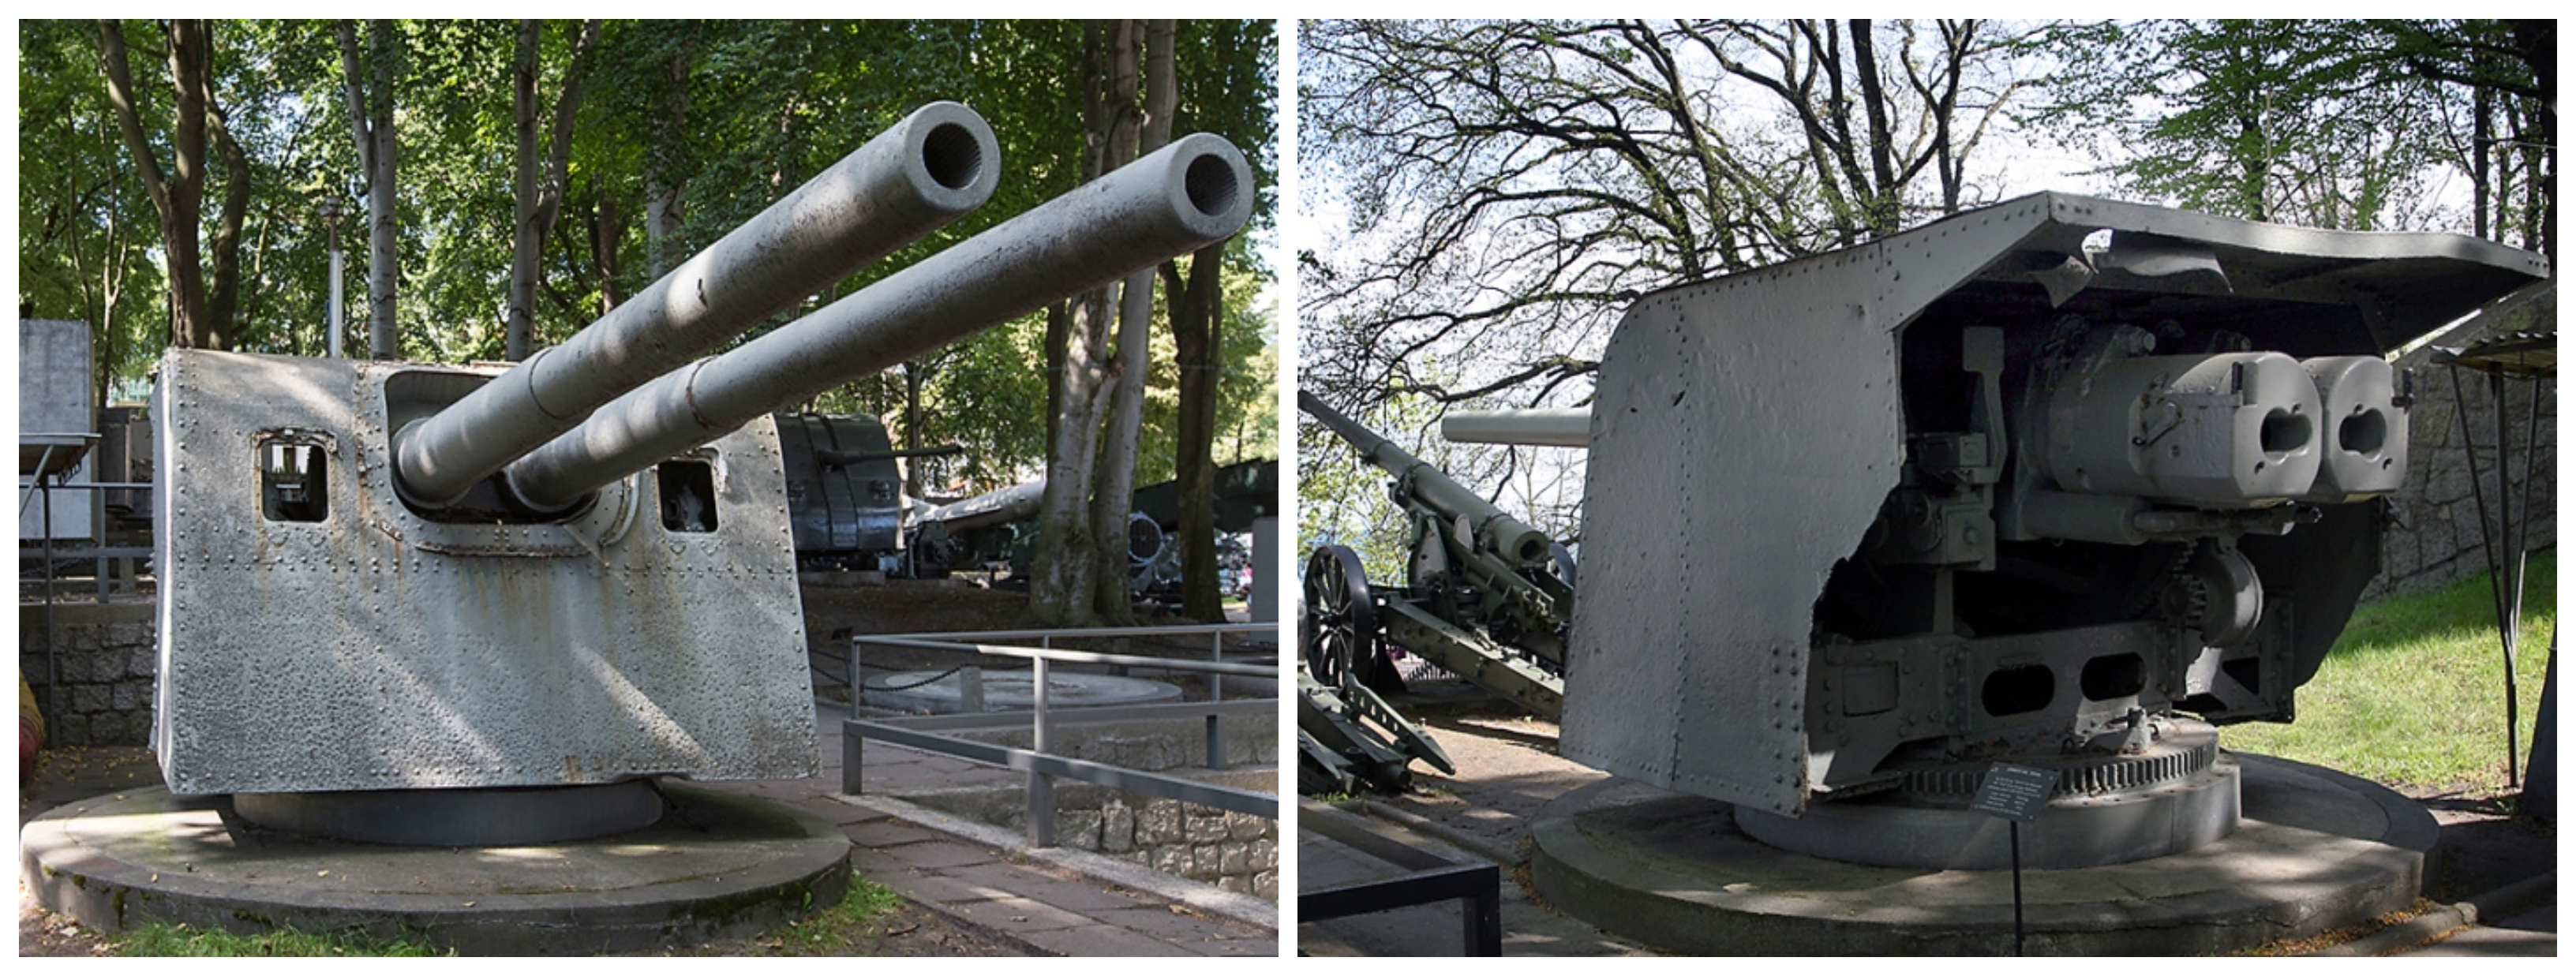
(388, 586)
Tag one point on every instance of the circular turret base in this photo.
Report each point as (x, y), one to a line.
(2315, 850)
(2075, 830)
(460, 817)
(718, 866)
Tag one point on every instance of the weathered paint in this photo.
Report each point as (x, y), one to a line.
(377, 649)
(1748, 429)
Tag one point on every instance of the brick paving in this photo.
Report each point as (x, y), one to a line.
(1049, 902)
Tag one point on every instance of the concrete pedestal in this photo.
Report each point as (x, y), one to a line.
(718, 866)
(2316, 850)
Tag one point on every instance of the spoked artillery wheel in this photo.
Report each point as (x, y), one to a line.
(1341, 621)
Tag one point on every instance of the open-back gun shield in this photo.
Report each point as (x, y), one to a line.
(1754, 437)
(316, 634)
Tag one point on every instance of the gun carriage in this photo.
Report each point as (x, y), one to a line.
(388, 585)
(2063, 482)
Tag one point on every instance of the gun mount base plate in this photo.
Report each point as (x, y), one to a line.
(2316, 850)
(720, 866)
(2073, 832)
(2167, 798)
(460, 818)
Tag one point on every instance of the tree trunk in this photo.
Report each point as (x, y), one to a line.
(371, 121)
(1196, 329)
(1116, 492)
(912, 427)
(662, 208)
(224, 292)
(539, 189)
(1061, 592)
(178, 195)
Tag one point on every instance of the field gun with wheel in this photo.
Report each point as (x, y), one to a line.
(1486, 597)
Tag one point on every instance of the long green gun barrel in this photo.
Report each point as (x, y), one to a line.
(1420, 485)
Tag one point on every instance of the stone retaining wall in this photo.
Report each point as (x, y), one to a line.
(1234, 851)
(107, 660)
(2433, 536)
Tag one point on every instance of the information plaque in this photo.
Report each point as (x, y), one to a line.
(2015, 793)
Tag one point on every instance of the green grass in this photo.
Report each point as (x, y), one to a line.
(2413, 693)
(848, 928)
(852, 927)
(182, 940)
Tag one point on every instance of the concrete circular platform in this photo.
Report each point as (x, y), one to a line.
(716, 866)
(2316, 850)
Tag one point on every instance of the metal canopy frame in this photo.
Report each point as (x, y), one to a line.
(2533, 357)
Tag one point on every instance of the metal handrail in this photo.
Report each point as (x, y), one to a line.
(1079, 657)
(1040, 764)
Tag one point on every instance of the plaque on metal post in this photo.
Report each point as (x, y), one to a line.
(2015, 793)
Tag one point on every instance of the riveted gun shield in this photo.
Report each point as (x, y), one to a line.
(2063, 480)
(382, 575)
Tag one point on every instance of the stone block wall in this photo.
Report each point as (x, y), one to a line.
(2433, 537)
(106, 662)
(1233, 851)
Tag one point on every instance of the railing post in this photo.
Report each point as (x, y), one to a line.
(851, 748)
(1216, 693)
(859, 686)
(970, 689)
(1041, 786)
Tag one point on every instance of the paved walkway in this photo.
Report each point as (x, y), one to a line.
(1051, 902)
(1508, 769)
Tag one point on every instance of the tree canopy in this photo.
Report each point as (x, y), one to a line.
(1483, 200)
(646, 140)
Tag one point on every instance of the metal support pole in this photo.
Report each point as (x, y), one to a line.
(1216, 693)
(1041, 785)
(333, 352)
(2016, 875)
(852, 750)
(53, 659)
(2509, 577)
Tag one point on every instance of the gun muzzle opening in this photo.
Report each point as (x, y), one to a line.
(953, 155)
(1212, 184)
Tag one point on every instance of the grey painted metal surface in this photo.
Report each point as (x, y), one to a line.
(990, 508)
(931, 168)
(1194, 192)
(844, 490)
(1890, 500)
(54, 398)
(376, 649)
(1541, 428)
